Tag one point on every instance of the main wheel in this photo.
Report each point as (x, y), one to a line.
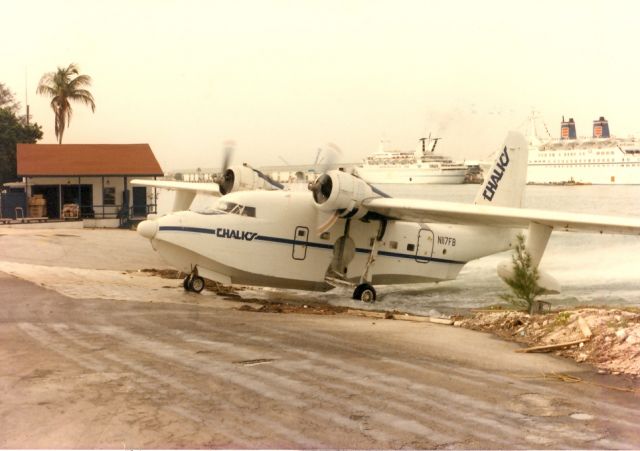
(185, 283)
(365, 293)
(196, 284)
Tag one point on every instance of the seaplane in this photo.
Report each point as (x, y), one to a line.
(343, 231)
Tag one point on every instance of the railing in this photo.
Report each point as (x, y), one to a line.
(116, 211)
(135, 213)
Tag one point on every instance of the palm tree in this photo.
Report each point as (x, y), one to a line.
(62, 86)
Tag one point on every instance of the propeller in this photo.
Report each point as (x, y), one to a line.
(226, 177)
(325, 158)
(321, 188)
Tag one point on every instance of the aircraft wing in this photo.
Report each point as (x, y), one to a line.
(196, 188)
(428, 211)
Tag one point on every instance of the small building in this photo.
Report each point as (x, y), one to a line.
(89, 181)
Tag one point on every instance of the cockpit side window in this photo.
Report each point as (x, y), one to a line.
(237, 209)
(249, 211)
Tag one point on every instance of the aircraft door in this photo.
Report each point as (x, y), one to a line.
(424, 249)
(300, 240)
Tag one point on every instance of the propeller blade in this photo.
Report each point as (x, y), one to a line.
(265, 177)
(327, 224)
(329, 157)
(229, 146)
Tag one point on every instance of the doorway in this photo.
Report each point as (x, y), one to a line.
(139, 201)
(300, 240)
(81, 195)
(51, 194)
(424, 249)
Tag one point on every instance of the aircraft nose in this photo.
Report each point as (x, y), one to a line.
(148, 228)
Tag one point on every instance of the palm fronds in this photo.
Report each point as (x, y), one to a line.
(64, 85)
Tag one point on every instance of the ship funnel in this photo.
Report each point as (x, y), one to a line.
(601, 128)
(568, 129)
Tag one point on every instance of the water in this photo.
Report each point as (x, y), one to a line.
(592, 269)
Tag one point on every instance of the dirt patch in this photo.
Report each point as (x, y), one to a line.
(218, 288)
(164, 273)
(291, 307)
(614, 346)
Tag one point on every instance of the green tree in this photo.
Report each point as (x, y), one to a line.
(63, 86)
(524, 282)
(13, 130)
(8, 100)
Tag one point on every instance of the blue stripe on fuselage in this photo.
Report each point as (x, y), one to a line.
(288, 241)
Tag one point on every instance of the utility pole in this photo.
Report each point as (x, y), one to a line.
(26, 94)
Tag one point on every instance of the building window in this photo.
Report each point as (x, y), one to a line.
(109, 196)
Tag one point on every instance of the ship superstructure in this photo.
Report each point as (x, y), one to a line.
(422, 166)
(600, 159)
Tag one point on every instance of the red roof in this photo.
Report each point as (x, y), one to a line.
(86, 159)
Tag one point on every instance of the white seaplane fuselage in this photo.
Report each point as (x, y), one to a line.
(270, 238)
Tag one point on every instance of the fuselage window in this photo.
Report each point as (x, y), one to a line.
(411, 247)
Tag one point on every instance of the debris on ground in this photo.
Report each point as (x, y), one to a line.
(608, 339)
(164, 273)
(216, 287)
(292, 307)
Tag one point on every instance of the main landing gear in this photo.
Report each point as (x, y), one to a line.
(343, 254)
(193, 282)
(365, 293)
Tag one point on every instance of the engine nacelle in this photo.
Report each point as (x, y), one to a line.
(241, 178)
(341, 192)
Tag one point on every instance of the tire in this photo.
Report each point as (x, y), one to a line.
(196, 284)
(185, 283)
(365, 293)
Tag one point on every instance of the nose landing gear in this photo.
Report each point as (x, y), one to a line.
(193, 282)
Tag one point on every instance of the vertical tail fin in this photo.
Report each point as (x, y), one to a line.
(504, 183)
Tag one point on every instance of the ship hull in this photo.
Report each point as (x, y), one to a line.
(596, 166)
(603, 174)
(411, 176)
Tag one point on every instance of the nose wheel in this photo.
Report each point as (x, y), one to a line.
(365, 293)
(193, 283)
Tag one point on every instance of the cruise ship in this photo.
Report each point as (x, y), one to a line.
(420, 167)
(600, 160)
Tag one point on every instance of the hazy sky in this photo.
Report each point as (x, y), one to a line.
(283, 78)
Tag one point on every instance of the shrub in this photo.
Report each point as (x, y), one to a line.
(524, 282)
